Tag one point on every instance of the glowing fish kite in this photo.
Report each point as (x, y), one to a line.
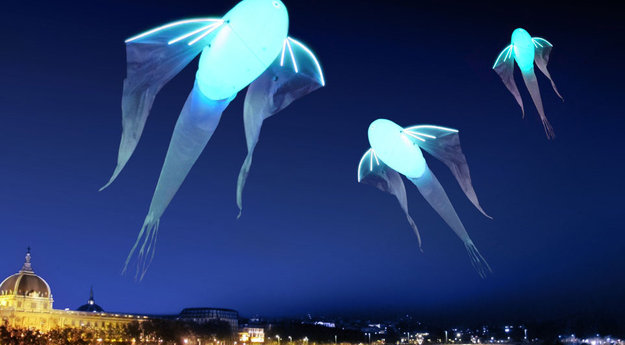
(396, 150)
(526, 50)
(248, 46)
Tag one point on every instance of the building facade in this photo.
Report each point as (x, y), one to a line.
(204, 315)
(26, 302)
(252, 335)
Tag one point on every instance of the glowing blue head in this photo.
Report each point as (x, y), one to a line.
(523, 49)
(395, 148)
(250, 39)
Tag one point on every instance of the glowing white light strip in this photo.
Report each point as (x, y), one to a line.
(292, 57)
(322, 79)
(542, 39)
(536, 44)
(190, 34)
(435, 127)
(166, 26)
(413, 135)
(505, 51)
(206, 33)
(375, 155)
(360, 164)
(283, 51)
(422, 134)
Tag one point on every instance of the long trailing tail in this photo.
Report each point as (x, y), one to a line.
(548, 129)
(195, 126)
(147, 238)
(532, 87)
(477, 260)
(435, 195)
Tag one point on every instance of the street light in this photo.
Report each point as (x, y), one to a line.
(335, 339)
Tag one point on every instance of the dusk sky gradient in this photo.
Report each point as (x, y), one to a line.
(311, 239)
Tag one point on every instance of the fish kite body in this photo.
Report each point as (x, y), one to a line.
(526, 50)
(249, 46)
(396, 150)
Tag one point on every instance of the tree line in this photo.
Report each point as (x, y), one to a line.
(149, 332)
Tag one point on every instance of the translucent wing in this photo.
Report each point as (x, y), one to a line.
(541, 58)
(372, 171)
(504, 66)
(153, 59)
(295, 73)
(444, 144)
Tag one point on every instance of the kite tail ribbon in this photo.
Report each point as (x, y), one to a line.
(532, 86)
(195, 126)
(435, 195)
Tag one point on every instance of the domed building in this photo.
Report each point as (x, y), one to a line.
(90, 306)
(26, 302)
(26, 290)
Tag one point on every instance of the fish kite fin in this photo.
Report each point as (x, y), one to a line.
(435, 195)
(541, 58)
(444, 144)
(372, 171)
(153, 59)
(504, 66)
(295, 73)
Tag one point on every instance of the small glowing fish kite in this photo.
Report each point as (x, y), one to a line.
(248, 46)
(526, 50)
(396, 150)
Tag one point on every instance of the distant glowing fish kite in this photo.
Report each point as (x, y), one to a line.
(525, 50)
(248, 46)
(396, 150)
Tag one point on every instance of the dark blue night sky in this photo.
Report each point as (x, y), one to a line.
(311, 239)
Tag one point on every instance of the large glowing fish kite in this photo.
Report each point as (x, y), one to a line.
(248, 46)
(526, 50)
(396, 150)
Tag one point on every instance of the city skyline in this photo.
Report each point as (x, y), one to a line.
(311, 239)
(21, 308)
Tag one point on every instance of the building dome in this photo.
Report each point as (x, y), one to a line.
(91, 306)
(25, 283)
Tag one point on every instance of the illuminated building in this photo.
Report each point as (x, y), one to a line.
(26, 302)
(253, 335)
